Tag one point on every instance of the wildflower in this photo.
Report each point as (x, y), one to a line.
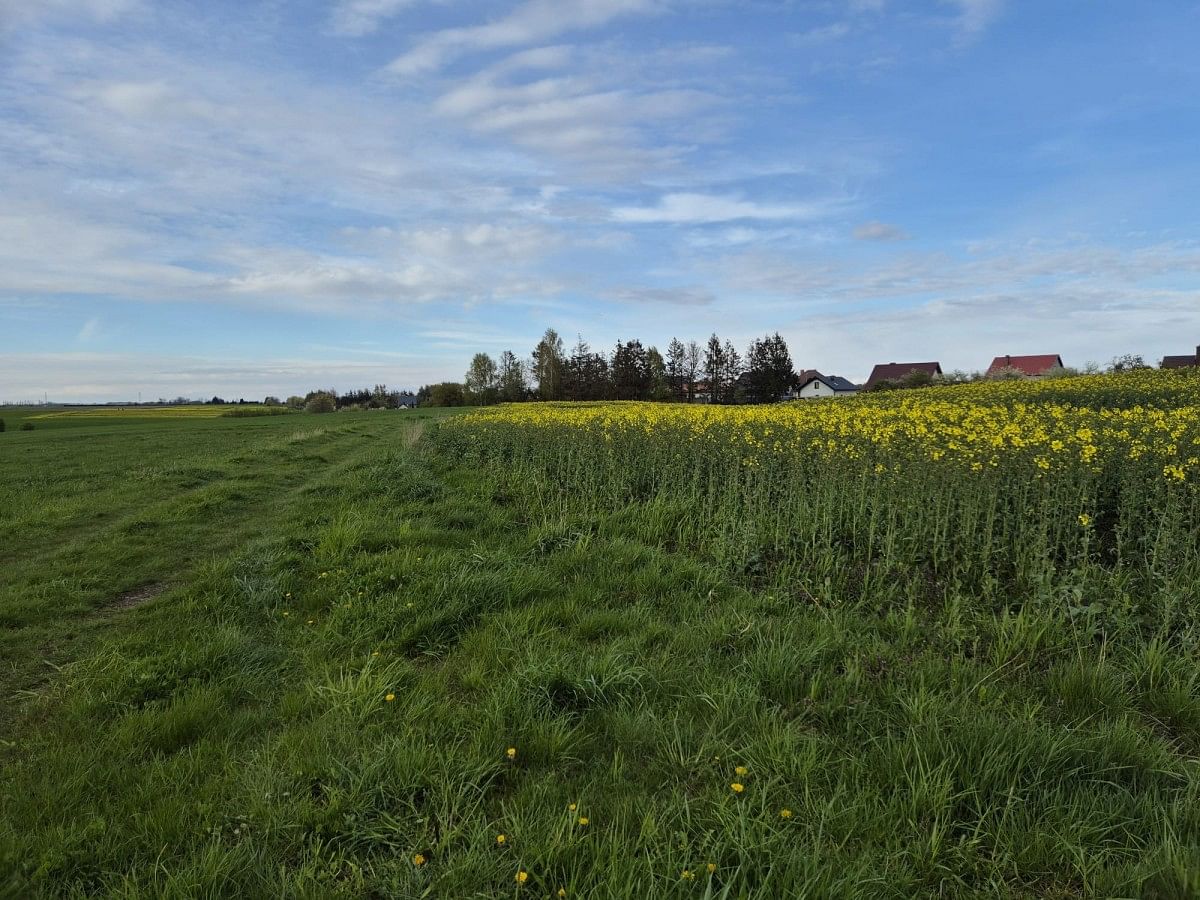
(583, 820)
(310, 621)
(501, 840)
(785, 814)
(571, 806)
(740, 770)
(374, 652)
(737, 787)
(686, 875)
(418, 859)
(390, 697)
(511, 752)
(287, 596)
(712, 867)
(1085, 520)
(522, 877)
(562, 892)
(286, 613)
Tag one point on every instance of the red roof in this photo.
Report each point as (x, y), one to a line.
(1180, 362)
(1026, 365)
(896, 371)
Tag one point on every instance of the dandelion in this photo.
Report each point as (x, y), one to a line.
(785, 814)
(501, 840)
(511, 752)
(418, 859)
(389, 698)
(572, 807)
(522, 877)
(712, 867)
(1085, 520)
(583, 820)
(740, 770)
(737, 787)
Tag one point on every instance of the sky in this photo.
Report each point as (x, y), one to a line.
(252, 197)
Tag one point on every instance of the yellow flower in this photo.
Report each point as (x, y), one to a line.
(686, 875)
(390, 697)
(571, 807)
(511, 752)
(418, 859)
(740, 770)
(286, 613)
(562, 892)
(522, 877)
(712, 867)
(785, 814)
(583, 820)
(501, 839)
(1085, 520)
(737, 787)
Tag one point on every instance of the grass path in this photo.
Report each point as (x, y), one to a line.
(358, 632)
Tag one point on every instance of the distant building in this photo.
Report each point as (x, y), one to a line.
(814, 385)
(1181, 362)
(1027, 366)
(898, 371)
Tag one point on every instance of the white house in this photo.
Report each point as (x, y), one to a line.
(816, 386)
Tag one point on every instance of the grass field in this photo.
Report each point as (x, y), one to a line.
(613, 651)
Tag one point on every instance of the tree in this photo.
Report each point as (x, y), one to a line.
(271, 401)
(548, 366)
(295, 402)
(585, 374)
(733, 371)
(1127, 362)
(629, 371)
(446, 393)
(480, 381)
(513, 383)
(320, 402)
(658, 387)
(676, 369)
(769, 372)
(692, 360)
(714, 368)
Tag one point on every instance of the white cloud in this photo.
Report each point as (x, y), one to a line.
(698, 209)
(26, 12)
(90, 330)
(355, 18)
(880, 231)
(529, 23)
(976, 15)
(676, 296)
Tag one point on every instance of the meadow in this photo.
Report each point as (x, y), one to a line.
(926, 643)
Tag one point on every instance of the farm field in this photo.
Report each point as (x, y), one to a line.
(930, 643)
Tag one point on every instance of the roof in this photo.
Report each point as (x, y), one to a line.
(1180, 362)
(895, 371)
(1027, 365)
(833, 382)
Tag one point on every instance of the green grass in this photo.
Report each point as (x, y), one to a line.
(202, 621)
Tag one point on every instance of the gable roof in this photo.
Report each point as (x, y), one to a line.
(896, 371)
(1180, 362)
(1027, 365)
(833, 382)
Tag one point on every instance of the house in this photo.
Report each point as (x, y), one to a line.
(897, 371)
(1181, 362)
(1027, 366)
(814, 385)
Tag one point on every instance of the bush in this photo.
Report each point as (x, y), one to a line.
(26, 426)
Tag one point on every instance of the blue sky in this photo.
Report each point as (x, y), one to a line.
(264, 197)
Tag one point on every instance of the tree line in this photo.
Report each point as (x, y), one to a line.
(713, 372)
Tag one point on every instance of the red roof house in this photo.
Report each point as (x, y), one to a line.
(896, 371)
(1181, 362)
(1028, 366)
